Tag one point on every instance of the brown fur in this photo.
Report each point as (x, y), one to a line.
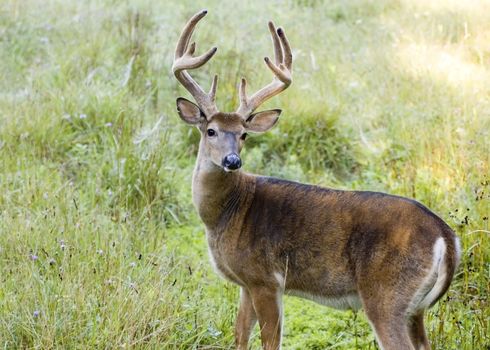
(327, 244)
(388, 254)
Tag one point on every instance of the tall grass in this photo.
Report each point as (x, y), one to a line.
(100, 246)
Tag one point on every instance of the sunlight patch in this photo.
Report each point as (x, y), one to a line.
(470, 6)
(441, 63)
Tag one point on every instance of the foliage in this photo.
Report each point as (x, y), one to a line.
(100, 246)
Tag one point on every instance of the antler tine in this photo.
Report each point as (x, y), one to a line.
(242, 92)
(277, 45)
(288, 56)
(183, 60)
(282, 69)
(214, 86)
(187, 33)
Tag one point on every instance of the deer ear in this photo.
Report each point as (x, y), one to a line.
(263, 121)
(189, 112)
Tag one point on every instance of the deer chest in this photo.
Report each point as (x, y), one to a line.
(222, 260)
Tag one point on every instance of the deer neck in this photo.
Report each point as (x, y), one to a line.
(217, 194)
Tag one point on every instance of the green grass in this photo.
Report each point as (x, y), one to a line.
(100, 246)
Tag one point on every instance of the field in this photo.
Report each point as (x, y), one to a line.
(100, 246)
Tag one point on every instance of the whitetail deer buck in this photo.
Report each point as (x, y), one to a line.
(387, 254)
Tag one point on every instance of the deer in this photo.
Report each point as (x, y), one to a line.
(386, 254)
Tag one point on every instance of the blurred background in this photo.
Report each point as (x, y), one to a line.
(100, 246)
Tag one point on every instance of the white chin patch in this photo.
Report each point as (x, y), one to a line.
(228, 170)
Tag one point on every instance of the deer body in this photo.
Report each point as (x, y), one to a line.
(316, 242)
(347, 249)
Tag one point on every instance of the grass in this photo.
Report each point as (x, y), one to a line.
(100, 246)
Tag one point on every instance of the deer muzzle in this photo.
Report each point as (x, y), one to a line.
(232, 162)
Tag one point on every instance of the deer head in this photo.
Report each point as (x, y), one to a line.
(223, 134)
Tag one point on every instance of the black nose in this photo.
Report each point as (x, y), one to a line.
(232, 161)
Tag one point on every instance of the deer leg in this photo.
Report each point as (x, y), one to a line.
(417, 332)
(390, 327)
(268, 307)
(246, 320)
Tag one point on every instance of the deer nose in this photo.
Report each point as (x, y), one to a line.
(232, 161)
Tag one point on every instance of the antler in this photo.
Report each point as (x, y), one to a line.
(184, 60)
(282, 69)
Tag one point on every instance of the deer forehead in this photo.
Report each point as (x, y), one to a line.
(231, 122)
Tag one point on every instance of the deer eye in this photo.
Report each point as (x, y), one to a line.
(211, 132)
(244, 136)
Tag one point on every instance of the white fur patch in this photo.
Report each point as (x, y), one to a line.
(280, 280)
(434, 283)
(344, 302)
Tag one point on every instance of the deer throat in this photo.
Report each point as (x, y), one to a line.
(219, 196)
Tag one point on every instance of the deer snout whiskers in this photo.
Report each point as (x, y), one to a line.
(231, 162)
